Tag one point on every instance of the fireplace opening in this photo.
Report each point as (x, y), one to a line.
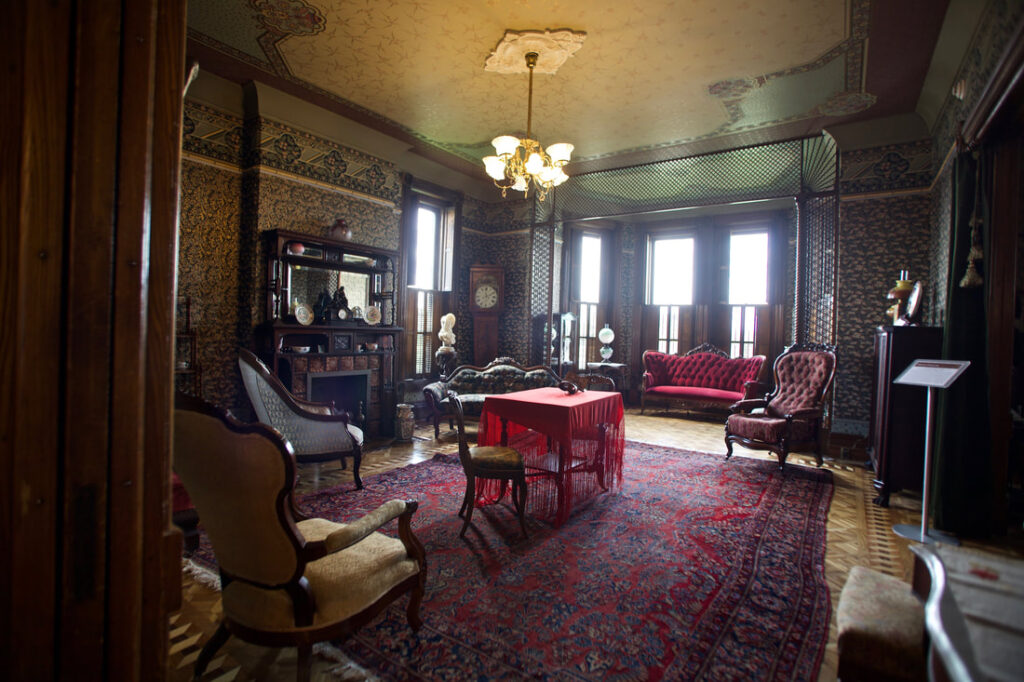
(349, 389)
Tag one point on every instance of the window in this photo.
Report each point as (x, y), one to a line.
(748, 287)
(589, 297)
(430, 265)
(748, 268)
(670, 275)
(427, 229)
(670, 271)
(424, 332)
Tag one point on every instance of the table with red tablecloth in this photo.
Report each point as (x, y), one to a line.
(572, 445)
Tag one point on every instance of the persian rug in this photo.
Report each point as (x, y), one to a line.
(697, 569)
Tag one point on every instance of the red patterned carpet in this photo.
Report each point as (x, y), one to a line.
(698, 569)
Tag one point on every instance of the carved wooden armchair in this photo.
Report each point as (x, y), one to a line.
(286, 580)
(790, 416)
(316, 431)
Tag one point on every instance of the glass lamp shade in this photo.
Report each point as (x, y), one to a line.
(606, 335)
(548, 174)
(560, 152)
(521, 184)
(558, 177)
(534, 164)
(495, 167)
(505, 145)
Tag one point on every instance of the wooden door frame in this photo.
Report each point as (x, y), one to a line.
(89, 193)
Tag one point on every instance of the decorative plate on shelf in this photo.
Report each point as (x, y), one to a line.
(372, 315)
(304, 314)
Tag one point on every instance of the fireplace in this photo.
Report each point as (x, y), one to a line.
(346, 388)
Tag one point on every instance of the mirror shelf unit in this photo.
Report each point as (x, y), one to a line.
(330, 331)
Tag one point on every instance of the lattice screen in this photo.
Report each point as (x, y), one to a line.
(816, 254)
(805, 168)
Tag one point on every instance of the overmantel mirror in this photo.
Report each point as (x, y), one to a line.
(313, 281)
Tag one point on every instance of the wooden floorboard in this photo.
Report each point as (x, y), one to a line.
(859, 533)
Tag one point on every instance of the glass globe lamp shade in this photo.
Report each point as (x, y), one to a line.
(495, 167)
(606, 335)
(534, 164)
(505, 145)
(560, 152)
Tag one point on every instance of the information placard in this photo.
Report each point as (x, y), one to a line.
(934, 373)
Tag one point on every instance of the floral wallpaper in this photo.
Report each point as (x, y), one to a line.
(878, 238)
(209, 273)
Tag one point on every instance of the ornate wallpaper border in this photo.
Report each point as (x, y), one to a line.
(309, 156)
(215, 134)
(889, 167)
(212, 133)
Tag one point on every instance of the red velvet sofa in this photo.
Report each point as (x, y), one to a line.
(703, 378)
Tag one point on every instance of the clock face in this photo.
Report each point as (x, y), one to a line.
(486, 296)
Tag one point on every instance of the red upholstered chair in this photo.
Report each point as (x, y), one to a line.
(791, 416)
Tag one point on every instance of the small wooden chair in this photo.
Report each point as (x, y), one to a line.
(494, 462)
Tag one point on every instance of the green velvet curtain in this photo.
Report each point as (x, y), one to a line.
(962, 471)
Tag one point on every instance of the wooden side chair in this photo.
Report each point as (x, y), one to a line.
(316, 431)
(791, 415)
(495, 462)
(286, 580)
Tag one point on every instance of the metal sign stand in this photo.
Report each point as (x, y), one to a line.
(931, 374)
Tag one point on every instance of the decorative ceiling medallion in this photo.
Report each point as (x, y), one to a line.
(554, 47)
(847, 103)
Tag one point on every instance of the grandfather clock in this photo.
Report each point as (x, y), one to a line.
(486, 300)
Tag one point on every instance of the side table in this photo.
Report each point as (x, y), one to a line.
(618, 372)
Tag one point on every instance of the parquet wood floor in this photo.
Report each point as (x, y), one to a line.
(859, 533)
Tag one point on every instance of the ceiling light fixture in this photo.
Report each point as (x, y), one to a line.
(520, 162)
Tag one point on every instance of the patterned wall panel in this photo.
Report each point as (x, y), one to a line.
(208, 272)
(879, 237)
(941, 219)
(286, 204)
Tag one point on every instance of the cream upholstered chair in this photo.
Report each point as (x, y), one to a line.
(286, 580)
(791, 415)
(316, 431)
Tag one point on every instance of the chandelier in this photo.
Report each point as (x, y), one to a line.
(518, 163)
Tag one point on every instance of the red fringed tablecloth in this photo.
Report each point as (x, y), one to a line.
(572, 445)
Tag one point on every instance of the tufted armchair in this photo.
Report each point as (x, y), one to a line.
(790, 417)
(315, 430)
(286, 579)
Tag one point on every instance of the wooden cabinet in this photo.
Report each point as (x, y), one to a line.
(898, 412)
(330, 332)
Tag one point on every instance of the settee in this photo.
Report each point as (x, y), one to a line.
(704, 378)
(474, 384)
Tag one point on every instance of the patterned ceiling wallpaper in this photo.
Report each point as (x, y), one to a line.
(689, 72)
